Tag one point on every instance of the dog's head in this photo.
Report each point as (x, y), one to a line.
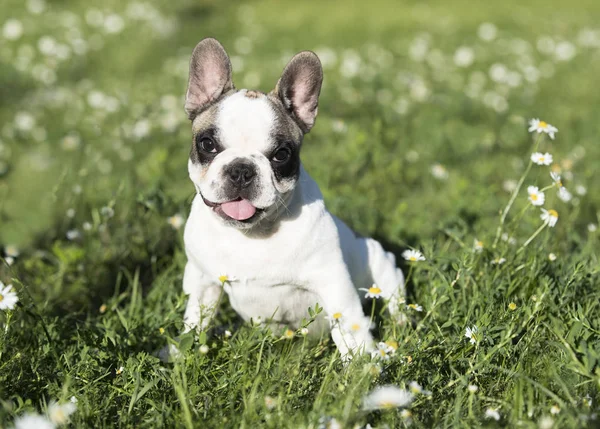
(245, 152)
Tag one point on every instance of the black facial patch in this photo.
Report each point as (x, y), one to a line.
(205, 140)
(285, 159)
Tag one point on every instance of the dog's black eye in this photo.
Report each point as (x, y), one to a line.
(282, 155)
(207, 145)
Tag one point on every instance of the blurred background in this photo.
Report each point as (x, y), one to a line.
(422, 122)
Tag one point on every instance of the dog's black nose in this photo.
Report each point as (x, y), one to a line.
(241, 174)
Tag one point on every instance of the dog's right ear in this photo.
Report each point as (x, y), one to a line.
(210, 76)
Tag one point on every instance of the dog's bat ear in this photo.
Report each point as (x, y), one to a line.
(210, 76)
(299, 88)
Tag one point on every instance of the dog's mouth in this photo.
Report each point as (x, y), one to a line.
(239, 209)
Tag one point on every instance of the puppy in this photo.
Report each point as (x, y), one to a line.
(259, 218)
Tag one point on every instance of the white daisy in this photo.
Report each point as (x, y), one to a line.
(59, 414)
(203, 349)
(541, 158)
(373, 292)
(550, 217)
(555, 409)
(335, 317)
(12, 251)
(270, 402)
(8, 298)
(536, 197)
(383, 351)
(552, 257)
(415, 307)
(492, 413)
(413, 255)
(361, 324)
(592, 227)
(439, 171)
(556, 179)
(387, 397)
(33, 421)
(415, 388)
(535, 125)
(472, 388)
(564, 194)
(478, 246)
(176, 221)
(498, 261)
(471, 334)
(581, 190)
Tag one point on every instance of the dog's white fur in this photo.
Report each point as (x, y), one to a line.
(309, 257)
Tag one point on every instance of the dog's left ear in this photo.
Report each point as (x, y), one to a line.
(299, 88)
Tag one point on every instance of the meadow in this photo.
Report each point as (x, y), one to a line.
(424, 140)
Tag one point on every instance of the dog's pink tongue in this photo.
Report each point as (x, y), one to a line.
(239, 210)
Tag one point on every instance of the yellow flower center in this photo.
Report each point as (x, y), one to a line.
(382, 352)
(289, 333)
(553, 213)
(542, 158)
(161, 330)
(337, 316)
(542, 124)
(386, 404)
(374, 290)
(412, 258)
(479, 243)
(1, 297)
(223, 278)
(512, 306)
(355, 327)
(393, 344)
(533, 197)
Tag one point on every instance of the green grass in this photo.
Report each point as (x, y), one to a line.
(112, 296)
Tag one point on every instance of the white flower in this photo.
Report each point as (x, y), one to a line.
(542, 127)
(439, 171)
(335, 317)
(541, 158)
(552, 257)
(228, 333)
(120, 370)
(508, 239)
(373, 292)
(472, 388)
(415, 307)
(203, 349)
(387, 397)
(487, 31)
(592, 227)
(24, 121)
(546, 422)
(550, 217)
(492, 413)
(581, 190)
(536, 197)
(8, 298)
(564, 194)
(12, 29)
(477, 246)
(33, 421)
(304, 331)
(361, 324)
(556, 179)
(74, 400)
(59, 414)
(464, 56)
(383, 351)
(498, 261)
(176, 221)
(107, 211)
(73, 234)
(415, 388)
(270, 402)
(11, 251)
(413, 255)
(555, 409)
(471, 334)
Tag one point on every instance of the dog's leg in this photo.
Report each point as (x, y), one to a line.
(350, 328)
(387, 276)
(203, 300)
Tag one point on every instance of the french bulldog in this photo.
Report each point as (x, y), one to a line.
(258, 227)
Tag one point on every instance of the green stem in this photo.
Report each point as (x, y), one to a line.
(535, 234)
(514, 194)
